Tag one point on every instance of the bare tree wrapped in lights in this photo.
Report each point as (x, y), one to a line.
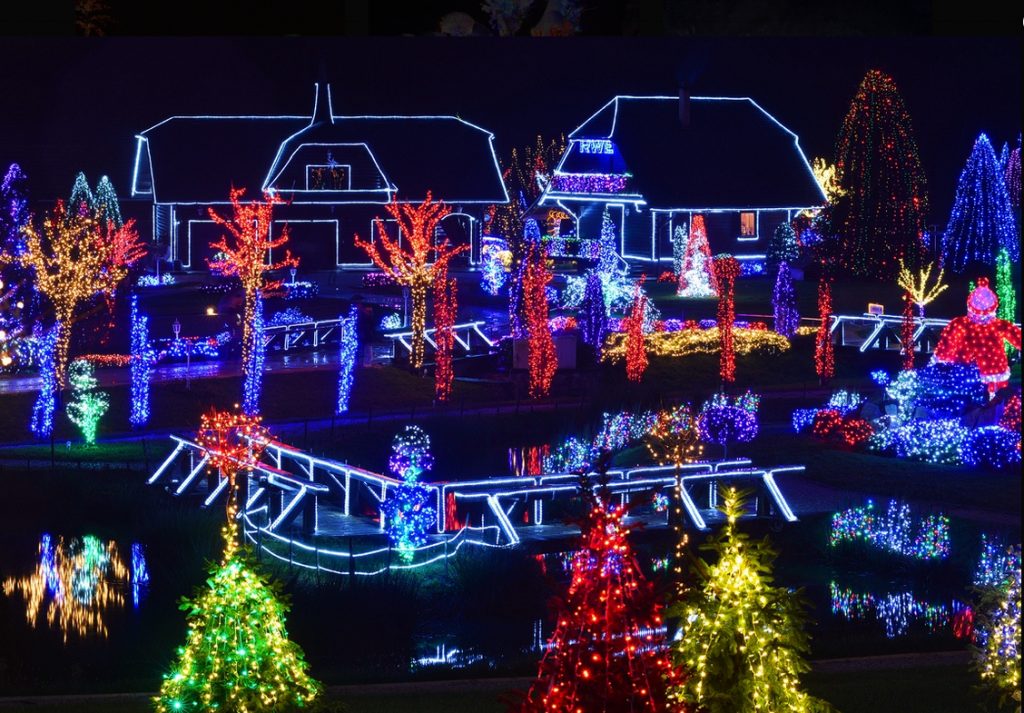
(407, 258)
(237, 654)
(245, 248)
(743, 641)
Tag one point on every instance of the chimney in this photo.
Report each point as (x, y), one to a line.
(684, 105)
(322, 110)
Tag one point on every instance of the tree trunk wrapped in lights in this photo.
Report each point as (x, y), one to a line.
(636, 349)
(543, 359)
(237, 655)
(907, 327)
(445, 307)
(824, 350)
(787, 319)
(245, 249)
(406, 258)
(606, 651)
(727, 269)
(742, 642)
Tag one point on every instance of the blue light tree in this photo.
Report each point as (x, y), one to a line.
(516, 304)
(982, 220)
(349, 338)
(608, 256)
(105, 201)
(142, 359)
(593, 319)
(409, 511)
(784, 302)
(46, 402)
(14, 215)
(81, 200)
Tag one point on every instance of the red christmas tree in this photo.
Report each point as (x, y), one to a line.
(824, 351)
(636, 348)
(607, 652)
(445, 306)
(543, 359)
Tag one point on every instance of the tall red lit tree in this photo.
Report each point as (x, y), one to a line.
(607, 650)
(824, 350)
(543, 359)
(406, 258)
(636, 348)
(246, 250)
(878, 217)
(445, 307)
(727, 269)
(122, 249)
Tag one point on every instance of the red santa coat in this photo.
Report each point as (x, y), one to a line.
(967, 340)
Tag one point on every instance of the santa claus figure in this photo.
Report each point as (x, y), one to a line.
(978, 338)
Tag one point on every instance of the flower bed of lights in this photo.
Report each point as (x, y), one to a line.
(572, 247)
(616, 432)
(377, 279)
(154, 281)
(291, 315)
(895, 531)
(699, 341)
(391, 322)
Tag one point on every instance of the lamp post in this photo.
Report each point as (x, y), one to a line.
(293, 271)
(188, 353)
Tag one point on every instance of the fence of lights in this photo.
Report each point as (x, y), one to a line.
(893, 531)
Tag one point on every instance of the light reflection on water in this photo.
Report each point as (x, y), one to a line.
(897, 612)
(77, 581)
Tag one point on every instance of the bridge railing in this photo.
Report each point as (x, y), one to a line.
(464, 333)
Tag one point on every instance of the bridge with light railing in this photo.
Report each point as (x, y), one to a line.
(292, 498)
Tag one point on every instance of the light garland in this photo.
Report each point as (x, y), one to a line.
(982, 220)
(414, 258)
(87, 405)
(895, 531)
(141, 366)
(824, 350)
(348, 340)
(445, 308)
(590, 182)
(726, 269)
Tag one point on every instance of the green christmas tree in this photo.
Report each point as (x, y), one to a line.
(81, 195)
(237, 655)
(87, 405)
(783, 246)
(743, 641)
(1006, 291)
(106, 202)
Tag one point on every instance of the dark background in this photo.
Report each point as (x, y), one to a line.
(75, 103)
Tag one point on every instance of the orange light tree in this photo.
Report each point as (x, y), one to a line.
(406, 258)
(543, 359)
(246, 250)
(68, 263)
(636, 347)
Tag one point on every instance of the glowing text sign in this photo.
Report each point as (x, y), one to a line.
(596, 146)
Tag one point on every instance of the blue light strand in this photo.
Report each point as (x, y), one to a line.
(252, 378)
(349, 346)
(141, 366)
(982, 219)
(46, 402)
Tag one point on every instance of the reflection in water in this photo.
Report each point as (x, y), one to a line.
(895, 610)
(528, 460)
(78, 581)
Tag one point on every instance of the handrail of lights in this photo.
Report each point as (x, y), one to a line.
(316, 332)
(468, 328)
(884, 330)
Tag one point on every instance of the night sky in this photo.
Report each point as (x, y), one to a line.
(75, 103)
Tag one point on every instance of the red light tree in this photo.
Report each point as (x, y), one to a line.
(246, 249)
(445, 307)
(824, 350)
(727, 269)
(636, 348)
(878, 219)
(410, 265)
(122, 249)
(606, 651)
(543, 360)
(907, 332)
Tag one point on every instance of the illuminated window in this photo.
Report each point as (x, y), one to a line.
(332, 177)
(748, 225)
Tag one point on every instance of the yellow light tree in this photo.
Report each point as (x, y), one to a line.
(825, 175)
(68, 263)
(917, 286)
(406, 258)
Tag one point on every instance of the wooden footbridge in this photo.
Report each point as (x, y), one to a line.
(293, 498)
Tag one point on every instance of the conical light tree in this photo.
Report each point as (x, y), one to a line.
(605, 653)
(982, 221)
(237, 655)
(81, 200)
(244, 249)
(742, 641)
(782, 247)
(697, 277)
(14, 216)
(878, 216)
(413, 258)
(105, 202)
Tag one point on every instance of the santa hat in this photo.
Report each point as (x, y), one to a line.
(982, 302)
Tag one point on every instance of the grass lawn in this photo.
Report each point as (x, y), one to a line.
(905, 690)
